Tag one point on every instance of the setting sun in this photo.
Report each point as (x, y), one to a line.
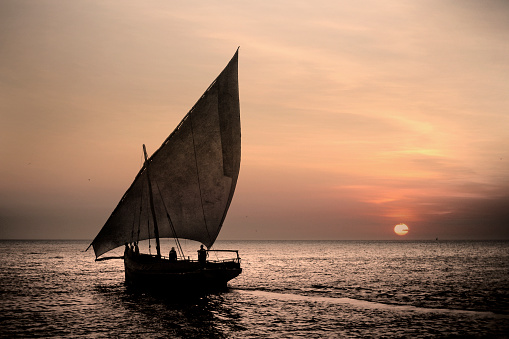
(401, 229)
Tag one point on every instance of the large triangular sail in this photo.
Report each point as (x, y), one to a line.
(193, 174)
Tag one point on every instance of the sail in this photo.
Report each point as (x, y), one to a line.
(193, 174)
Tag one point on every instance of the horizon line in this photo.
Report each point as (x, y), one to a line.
(430, 239)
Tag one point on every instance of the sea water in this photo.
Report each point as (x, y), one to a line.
(312, 289)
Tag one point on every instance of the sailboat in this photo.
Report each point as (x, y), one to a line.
(183, 191)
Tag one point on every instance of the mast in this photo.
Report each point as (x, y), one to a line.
(152, 209)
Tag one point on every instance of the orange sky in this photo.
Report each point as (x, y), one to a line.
(355, 115)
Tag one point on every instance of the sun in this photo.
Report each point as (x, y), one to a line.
(401, 229)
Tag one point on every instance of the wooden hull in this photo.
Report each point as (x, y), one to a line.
(183, 276)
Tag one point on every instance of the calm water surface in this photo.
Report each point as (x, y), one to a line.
(288, 289)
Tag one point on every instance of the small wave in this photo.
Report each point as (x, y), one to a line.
(367, 304)
(319, 286)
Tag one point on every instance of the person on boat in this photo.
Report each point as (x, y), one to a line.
(173, 255)
(136, 249)
(126, 251)
(202, 256)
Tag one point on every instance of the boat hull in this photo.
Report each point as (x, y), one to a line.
(183, 276)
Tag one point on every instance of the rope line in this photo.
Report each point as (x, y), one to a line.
(148, 227)
(181, 252)
(198, 176)
(139, 215)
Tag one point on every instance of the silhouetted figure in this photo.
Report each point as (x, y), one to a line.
(202, 256)
(173, 255)
(126, 251)
(136, 249)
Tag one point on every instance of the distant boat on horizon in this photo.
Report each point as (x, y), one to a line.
(183, 191)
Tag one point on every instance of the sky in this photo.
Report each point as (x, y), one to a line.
(356, 115)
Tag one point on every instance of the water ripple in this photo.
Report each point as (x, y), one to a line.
(287, 289)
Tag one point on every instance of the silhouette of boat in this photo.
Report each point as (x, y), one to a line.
(183, 191)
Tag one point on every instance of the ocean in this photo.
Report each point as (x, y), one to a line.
(288, 289)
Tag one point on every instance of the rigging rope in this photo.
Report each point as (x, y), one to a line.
(148, 228)
(181, 252)
(132, 229)
(134, 220)
(141, 203)
(198, 177)
(139, 215)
